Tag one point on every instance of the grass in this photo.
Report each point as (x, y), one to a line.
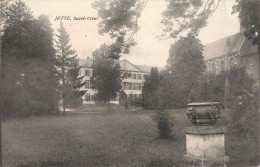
(89, 139)
(114, 139)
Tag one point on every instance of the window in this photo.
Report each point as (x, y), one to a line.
(87, 84)
(125, 86)
(134, 76)
(247, 63)
(222, 66)
(86, 72)
(134, 86)
(140, 76)
(213, 68)
(130, 87)
(139, 86)
(88, 97)
(232, 63)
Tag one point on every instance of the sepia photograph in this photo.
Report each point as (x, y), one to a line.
(129, 83)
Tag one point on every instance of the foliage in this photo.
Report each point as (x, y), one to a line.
(137, 101)
(243, 127)
(119, 20)
(150, 89)
(107, 75)
(249, 15)
(67, 65)
(211, 86)
(164, 124)
(122, 97)
(184, 69)
(241, 111)
(4, 5)
(28, 76)
(182, 16)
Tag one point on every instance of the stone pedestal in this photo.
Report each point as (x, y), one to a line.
(205, 146)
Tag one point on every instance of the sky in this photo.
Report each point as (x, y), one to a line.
(149, 50)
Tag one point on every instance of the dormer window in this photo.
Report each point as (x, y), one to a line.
(86, 72)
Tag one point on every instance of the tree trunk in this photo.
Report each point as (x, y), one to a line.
(258, 94)
(108, 106)
(1, 100)
(63, 96)
(63, 83)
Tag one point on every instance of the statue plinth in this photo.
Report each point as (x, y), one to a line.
(205, 143)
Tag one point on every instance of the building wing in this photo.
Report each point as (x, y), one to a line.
(224, 46)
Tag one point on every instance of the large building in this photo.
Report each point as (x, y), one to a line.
(132, 86)
(234, 50)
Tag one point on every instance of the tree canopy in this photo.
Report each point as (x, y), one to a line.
(150, 90)
(119, 20)
(28, 75)
(183, 72)
(107, 75)
(182, 16)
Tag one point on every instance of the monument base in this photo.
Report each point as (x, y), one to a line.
(194, 161)
(205, 146)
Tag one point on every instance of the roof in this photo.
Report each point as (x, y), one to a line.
(86, 62)
(144, 68)
(224, 46)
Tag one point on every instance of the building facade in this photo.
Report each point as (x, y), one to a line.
(231, 51)
(132, 85)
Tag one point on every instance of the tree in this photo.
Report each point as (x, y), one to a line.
(150, 90)
(107, 75)
(67, 65)
(73, 97)
(182, 16)
(241, 112)
(184, 69)
(249, 15)
(28, 75)
(119, 20)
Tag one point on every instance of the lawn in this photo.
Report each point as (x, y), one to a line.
(91, 139)
(115, 139)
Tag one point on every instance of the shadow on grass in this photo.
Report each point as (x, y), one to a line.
(44, 164)
(164, 163)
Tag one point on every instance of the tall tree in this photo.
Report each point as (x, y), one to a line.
(184, 69)
(28, 74)
(67, 65)
(150, 90)
(249, 15)
(107, 75)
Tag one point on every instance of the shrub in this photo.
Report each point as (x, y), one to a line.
(242, 111)
(137, 102)
(164, 124)
(242, 134)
